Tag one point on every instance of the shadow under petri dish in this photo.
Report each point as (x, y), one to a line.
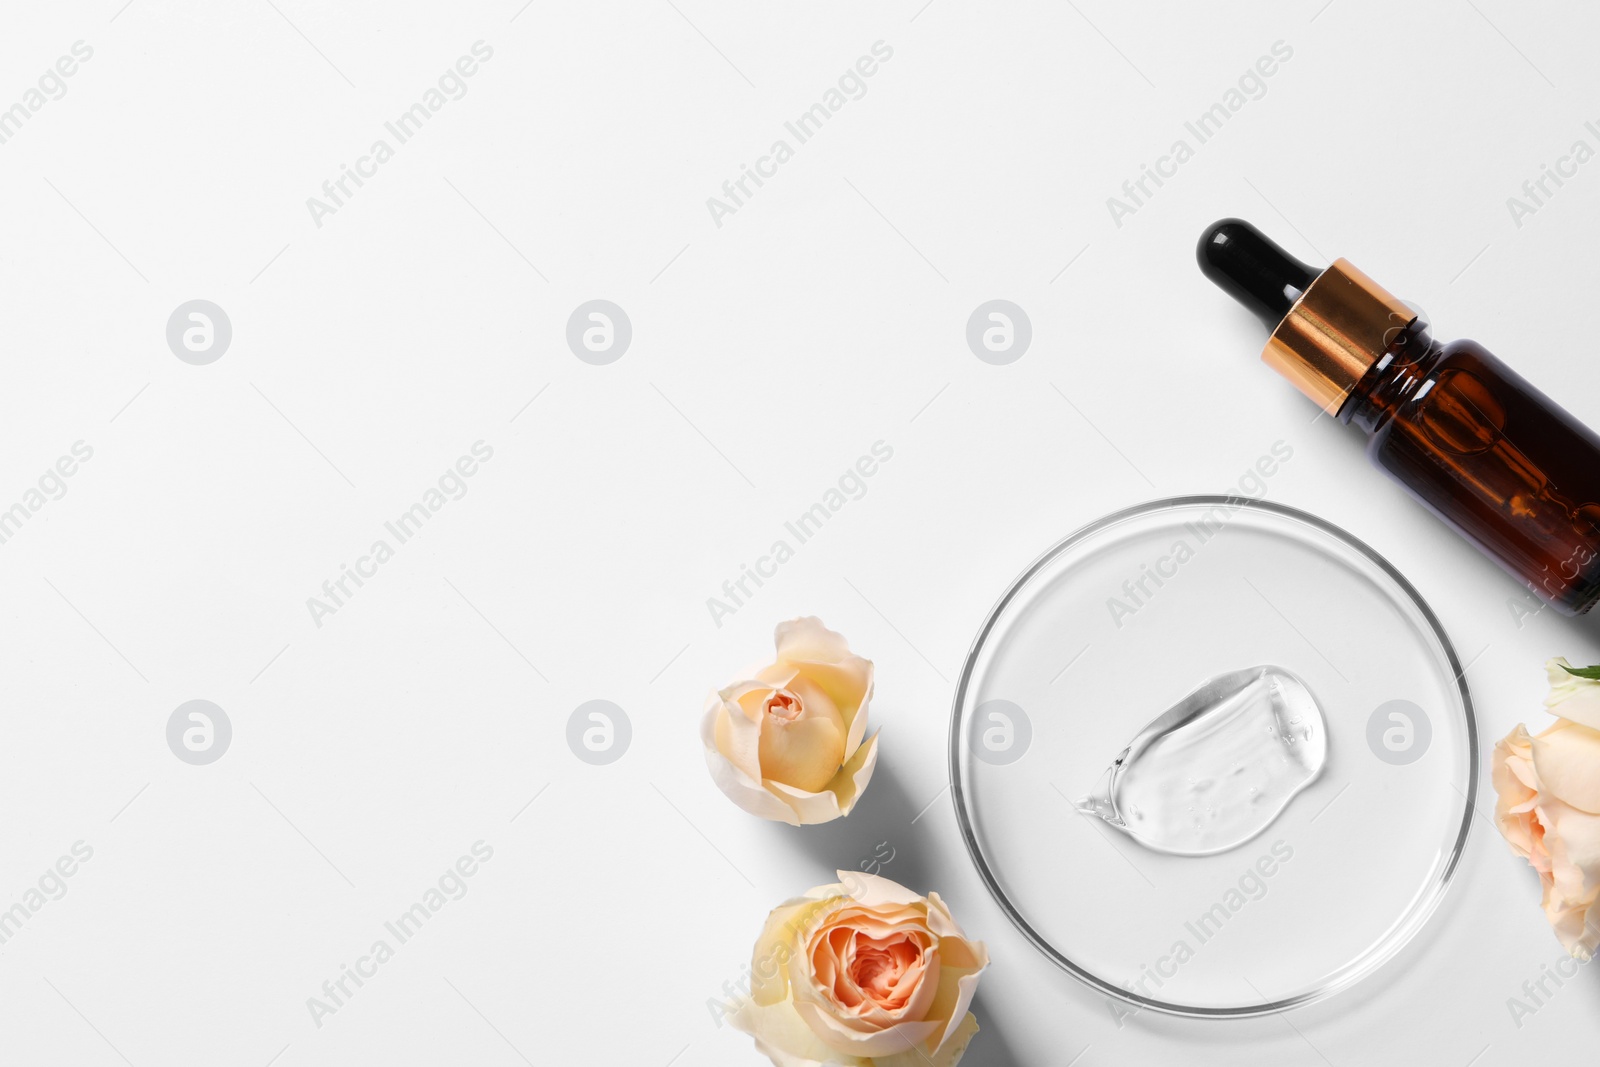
(1218, 767)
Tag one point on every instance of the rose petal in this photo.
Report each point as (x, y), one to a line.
(806, 640)
(1516, 787)
(1573, 840)
(745, 697)
(735, 736)
(823, 656)
(873, 891)
(1566, 758)
(735, 784)
(941, 922)
(857, 718)
(784, 1038)
(1572, 698)
(807, 809)
(780, 939)
(802, 755)
(833, 953)
(835, 801)
(964, 962)
(751, 797)
(948, 1054)
(1576, 926)
(832, 1031)
(776, 675)
(805, 752)
(851, 781)
(957, 985)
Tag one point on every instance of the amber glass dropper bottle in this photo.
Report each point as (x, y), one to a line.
(1461, 431)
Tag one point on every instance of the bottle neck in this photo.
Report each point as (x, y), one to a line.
(1333, 334)
(1397, 377)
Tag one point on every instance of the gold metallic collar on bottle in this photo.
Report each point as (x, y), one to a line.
(1338, 329)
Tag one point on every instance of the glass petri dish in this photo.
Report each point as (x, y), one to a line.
(1118, 623)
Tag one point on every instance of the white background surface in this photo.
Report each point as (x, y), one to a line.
(768, 354)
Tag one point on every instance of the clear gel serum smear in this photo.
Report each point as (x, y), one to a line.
(1218, 767)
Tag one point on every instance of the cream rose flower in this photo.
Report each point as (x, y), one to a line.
(1571, 697)
(862, 974)
(790, 744)
(1548, 806)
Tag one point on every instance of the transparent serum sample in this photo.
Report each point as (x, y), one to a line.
(1216, 768)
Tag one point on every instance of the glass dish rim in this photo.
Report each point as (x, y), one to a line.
(1347, 976)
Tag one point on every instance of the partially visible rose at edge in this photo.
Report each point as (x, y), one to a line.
(864, 973)
(789, 743)
(1547, 788)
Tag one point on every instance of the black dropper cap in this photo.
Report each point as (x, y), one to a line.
(1247, 265)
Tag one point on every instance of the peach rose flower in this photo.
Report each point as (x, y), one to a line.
(862, 974)
(789, 743)
(1548, 806)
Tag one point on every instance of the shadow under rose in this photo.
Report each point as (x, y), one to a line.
(989, 1048)
(883, 835)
